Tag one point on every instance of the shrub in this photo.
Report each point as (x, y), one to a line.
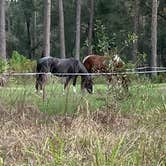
(20, 63)
(160, 78)
(3, 65)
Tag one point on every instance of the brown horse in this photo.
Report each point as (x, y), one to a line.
(97, 63)
(106, 64)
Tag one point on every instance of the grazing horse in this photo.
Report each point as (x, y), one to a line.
(61, 68)
(106, 64)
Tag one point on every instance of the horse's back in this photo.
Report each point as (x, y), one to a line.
(68, 62)
(44, 63)
(94, 61)
(94, 58)
(66, 65)
(45, 59)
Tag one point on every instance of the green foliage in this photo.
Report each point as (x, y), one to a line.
(129, 66)
(104, 44)
(20, 63)
(1, 161)
(56, 149)
(129, 39)
(132, 37)
(101, 44)
(160, 78)
(3, 65)
(141, 59)
(116, 22)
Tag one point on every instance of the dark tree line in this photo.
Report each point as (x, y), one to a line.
(75, 28)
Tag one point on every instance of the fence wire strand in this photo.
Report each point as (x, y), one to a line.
(128, 71)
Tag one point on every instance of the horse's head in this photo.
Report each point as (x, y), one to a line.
(117, 61)
(87, 83)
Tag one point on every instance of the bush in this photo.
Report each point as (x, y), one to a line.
(3, 65)
(20, 63)
(160, 78)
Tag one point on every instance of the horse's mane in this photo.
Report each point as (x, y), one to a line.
(87, 57)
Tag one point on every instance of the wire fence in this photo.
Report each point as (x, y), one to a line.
(20, 88)
(140, 70)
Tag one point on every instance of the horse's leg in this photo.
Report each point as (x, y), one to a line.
(66, 83)
(38, 83)
(125, 82)
(109, 79)
(37, 86)
(41, 82)
(43, 85)
(74, 84)
(82, 83)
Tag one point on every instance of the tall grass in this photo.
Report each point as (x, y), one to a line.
(81, 146)
(142, 97)
(102, 129)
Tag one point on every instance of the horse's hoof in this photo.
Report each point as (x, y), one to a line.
(74, 90)
(41, 92)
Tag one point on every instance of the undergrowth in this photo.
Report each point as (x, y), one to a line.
(83, 129)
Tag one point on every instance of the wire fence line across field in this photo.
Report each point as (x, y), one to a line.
(146, 70)
(84, 74)
(147, 67)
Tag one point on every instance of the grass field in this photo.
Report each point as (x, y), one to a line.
(102, 129)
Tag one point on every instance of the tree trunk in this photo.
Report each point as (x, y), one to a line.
(90, 30)
(2, 30)
(61, 29)
(78, 25)
(8, 17)
(136, 23)
(34, 42)
(154, 35)
(29, 37)
(47, 24)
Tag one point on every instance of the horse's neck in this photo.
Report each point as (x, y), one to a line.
(82, 69)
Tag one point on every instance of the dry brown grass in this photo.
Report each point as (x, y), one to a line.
(26, 133)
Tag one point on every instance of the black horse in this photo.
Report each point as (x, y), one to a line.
(69, 68)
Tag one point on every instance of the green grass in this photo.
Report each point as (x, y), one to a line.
(108, 128)
(142, 97)
(145, 98)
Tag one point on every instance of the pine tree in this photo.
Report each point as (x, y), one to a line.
(47, 25)
(61, 29)
(2, 30)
